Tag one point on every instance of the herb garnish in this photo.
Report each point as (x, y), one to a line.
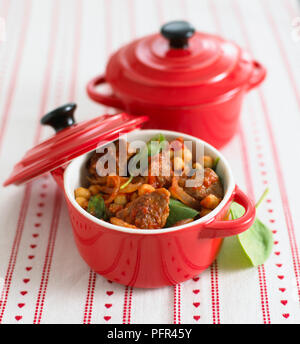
(257, 241)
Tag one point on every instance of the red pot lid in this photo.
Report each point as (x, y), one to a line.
(71, 140)
(179, 67)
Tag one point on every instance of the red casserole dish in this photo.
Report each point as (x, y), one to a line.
(183, 80)
(141, 258)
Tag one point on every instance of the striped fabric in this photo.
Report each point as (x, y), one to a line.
(49, 51)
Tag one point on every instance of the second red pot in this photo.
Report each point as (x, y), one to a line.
(182, 80)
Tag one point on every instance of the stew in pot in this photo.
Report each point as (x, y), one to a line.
(154, 191)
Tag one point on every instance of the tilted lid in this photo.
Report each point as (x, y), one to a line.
(71, 140)
(179, 67)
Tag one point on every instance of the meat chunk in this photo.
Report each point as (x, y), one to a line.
(211, 185)
(160, 171)
(149, 211)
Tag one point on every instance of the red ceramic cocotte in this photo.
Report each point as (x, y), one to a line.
(182, 80)
(140, 258)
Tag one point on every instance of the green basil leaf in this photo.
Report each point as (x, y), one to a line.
(236, 210)
(156, 144)
(96, 207)
(178, 212)
(216, 163)
(257, 241)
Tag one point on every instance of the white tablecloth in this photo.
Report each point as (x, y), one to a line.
(48, 52)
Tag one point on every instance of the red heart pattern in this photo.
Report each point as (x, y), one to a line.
(270, 210)
(109, 293)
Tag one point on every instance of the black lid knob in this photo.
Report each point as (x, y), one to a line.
(60, 118)
(178, 33)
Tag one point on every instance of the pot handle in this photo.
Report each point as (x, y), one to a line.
(222, 229)
(108, 100)
(258, 75)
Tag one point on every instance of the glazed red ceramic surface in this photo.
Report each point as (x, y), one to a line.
(71, 140)
(140, 258)
(153, 258)
(183, 80)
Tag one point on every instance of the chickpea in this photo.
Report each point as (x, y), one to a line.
(210, 201)
(197, 166)
(145, 188)
(82, 192)
(179, 153)
(204, 212)
(178, 163)
(121, 199)
(208, 161)
(187, 169)
(83, 202)
(94, 189)
(187, 155)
